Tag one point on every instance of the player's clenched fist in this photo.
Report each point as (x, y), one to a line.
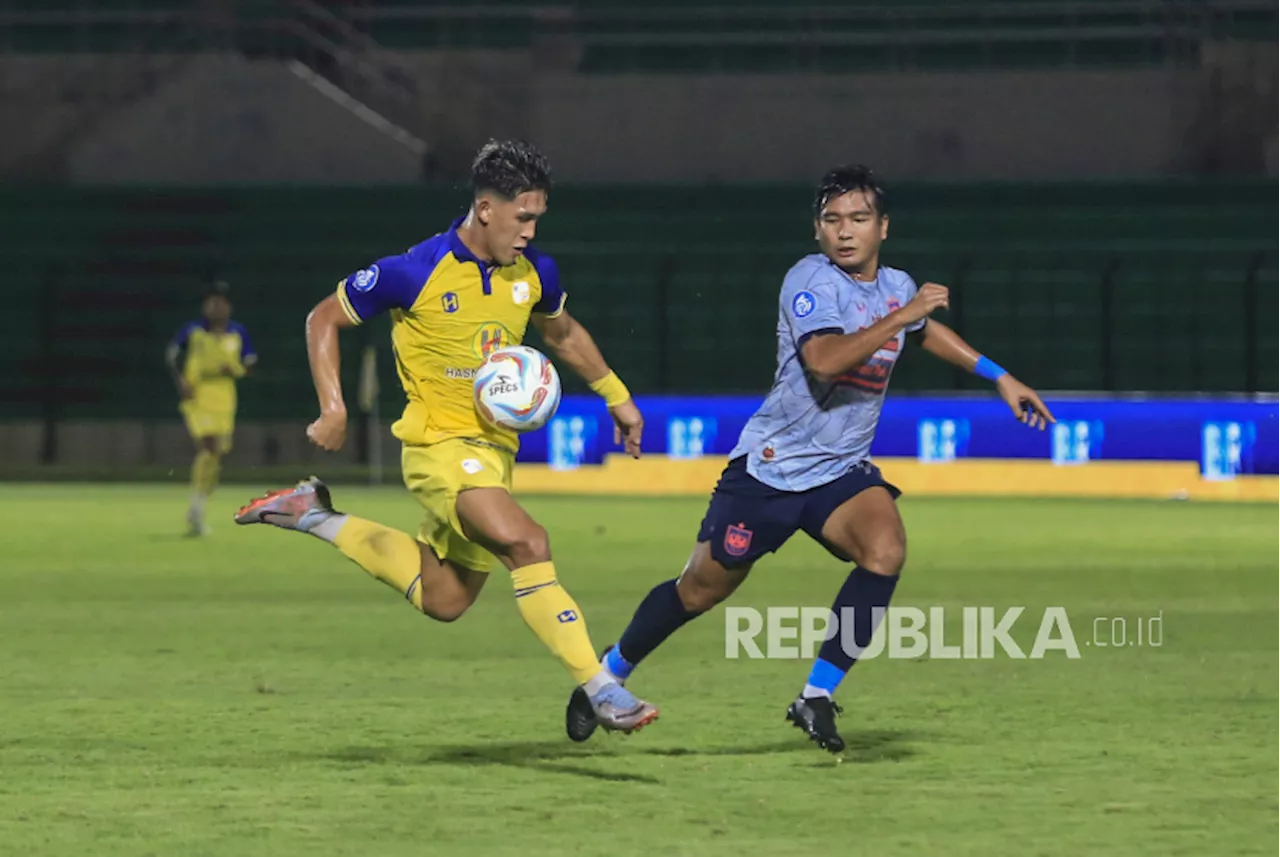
(931, 296)
(329, 432)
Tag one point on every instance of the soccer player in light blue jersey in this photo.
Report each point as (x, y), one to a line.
(801, 461)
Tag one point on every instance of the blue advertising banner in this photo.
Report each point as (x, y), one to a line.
(1226, 437)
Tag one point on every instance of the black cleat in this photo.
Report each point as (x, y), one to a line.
(817, 717)
(580, 720)
(579, 717)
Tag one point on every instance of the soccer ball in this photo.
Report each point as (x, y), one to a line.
(517, 388)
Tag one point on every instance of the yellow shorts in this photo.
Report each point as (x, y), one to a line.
(205, 423)
(436, 474)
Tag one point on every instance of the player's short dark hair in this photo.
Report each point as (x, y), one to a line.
(510, 168)
(848, 177)
(218, 288)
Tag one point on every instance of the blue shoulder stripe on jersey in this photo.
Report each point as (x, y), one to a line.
(429, 253)
(184, 333)
(552, 298)
(463, 254)
(246, 344)
(397, 282)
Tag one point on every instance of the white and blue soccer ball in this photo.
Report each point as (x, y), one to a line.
(517, 388)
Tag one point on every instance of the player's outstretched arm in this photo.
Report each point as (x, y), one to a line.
(172, 356)
(330, 430)
(831, 355)
(571, 342)
(941, 341)
(242, 364)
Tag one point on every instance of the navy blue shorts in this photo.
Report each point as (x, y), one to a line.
(748, 519)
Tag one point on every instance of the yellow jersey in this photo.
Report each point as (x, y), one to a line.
(212, 361)
(449, 309)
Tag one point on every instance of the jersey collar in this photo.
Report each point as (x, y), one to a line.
(867, 285)
(463, 254)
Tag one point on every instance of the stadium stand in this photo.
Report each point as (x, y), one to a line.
(759, 36)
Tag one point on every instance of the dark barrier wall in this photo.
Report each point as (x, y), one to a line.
(1225, 436)
(1167, 287)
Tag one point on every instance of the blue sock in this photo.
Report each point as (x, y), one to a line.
(615, 663)
(863, 592)
(659, 615)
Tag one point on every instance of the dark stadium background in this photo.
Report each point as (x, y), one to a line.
(1095, 181)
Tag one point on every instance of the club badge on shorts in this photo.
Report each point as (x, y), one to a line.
(737, 540)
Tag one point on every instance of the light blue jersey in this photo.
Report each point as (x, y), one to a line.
(808, 433)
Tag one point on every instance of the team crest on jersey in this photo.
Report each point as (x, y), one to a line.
(489, 338)
(449, 300)
(737, 540)
(803, 304)
(520, 292)
(365, 279)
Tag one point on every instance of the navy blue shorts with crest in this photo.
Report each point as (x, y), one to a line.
(748, 519)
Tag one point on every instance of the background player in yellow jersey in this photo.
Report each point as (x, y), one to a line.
(206, 358)
(453, 299)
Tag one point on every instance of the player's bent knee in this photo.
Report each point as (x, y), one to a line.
(447, 611)
(886, 556)
(448, 604)
(529, 546)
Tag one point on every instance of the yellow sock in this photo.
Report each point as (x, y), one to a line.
(555, 618)
(212, 470)
(197, 472)
(204, 472)
(389, 555)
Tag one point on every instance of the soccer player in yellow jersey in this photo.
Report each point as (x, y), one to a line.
(206, 358)
(453, 299)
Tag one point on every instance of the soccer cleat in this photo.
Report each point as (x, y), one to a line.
(298, 508)
(817, 717)
(579, 716)
(618, 710)
(196, 527)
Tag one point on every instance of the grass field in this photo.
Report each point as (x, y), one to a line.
(255, 694)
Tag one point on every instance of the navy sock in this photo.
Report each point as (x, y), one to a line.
(659, 616)
(867, 595)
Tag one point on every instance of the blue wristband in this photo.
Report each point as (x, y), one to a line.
(988, 369)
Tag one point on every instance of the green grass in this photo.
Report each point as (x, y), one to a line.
(256, 694)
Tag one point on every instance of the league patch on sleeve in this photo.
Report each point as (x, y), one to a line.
(365, 279)
(803, 304)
